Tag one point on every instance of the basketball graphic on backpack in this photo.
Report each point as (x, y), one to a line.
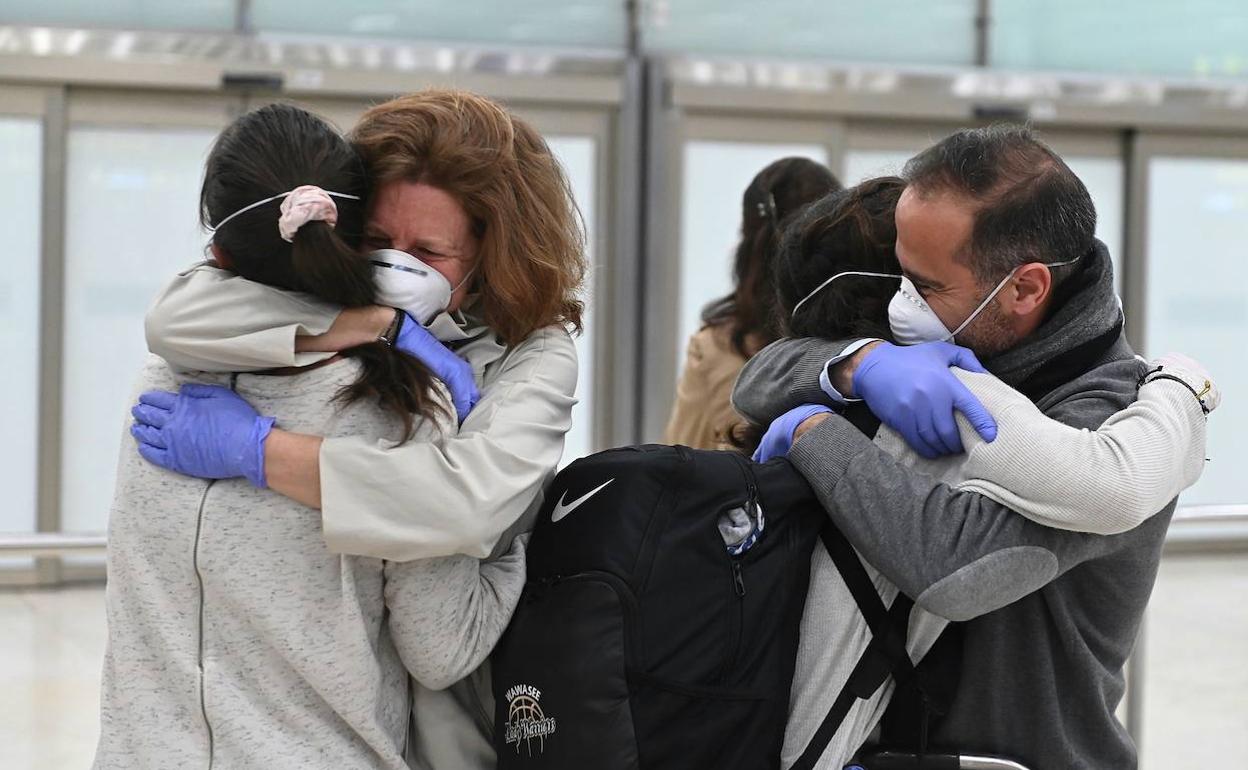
(526, 720)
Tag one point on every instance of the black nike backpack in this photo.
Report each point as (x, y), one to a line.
(639, 642)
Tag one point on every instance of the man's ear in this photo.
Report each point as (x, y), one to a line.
(1030, 290)
(221, 257)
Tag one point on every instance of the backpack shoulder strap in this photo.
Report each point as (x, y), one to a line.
(885, 655)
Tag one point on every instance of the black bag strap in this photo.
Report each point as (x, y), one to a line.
(885, 655)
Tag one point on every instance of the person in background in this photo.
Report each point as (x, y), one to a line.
(737, 326)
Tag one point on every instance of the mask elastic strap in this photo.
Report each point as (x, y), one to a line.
(953, 334)
(997, 290)
(270, 199)
(459, 285)
(825, 284)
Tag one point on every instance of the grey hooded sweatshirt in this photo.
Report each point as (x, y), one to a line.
(237, 639)
(1051, 615)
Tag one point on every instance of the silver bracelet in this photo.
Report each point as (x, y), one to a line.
(391, 334)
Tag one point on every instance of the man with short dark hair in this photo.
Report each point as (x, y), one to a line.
(1001, 201)
(995, 238)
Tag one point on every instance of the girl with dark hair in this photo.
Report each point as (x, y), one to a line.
(737, 326)
(236, 637)
(836, 275)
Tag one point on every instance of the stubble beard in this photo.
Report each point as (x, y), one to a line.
(989, 334)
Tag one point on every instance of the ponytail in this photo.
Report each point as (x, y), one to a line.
(398, 382)
(327, 267)
(281, 147)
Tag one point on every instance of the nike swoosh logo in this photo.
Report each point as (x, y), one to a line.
(563, 508)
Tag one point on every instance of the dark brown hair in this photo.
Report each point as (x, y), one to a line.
(499, 168)
(849, 230)
(775, 194)
(1029, 205)
(275, 149)
(852, 230)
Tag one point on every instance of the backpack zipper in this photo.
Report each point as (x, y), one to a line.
(738, 569)
(634, 651)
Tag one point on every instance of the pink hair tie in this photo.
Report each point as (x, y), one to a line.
(305, 204)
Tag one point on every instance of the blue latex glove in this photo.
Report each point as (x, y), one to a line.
(913, 392)
(203, 430)
(778, 439)
(417, 341)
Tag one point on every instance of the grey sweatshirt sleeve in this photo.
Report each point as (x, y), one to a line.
(797, 363)
(959, 554)
(447, 613)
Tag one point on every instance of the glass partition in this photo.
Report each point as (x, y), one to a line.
(124, 14)
(1200, 38)
(580, 23)
(1197, 298)
(131, 223)
(21, 187)
(577, 154)
(903, 31)
(868, 164)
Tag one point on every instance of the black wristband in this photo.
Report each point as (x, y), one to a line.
(1160, 374)
(391, 334)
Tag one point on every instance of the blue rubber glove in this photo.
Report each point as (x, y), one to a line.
(778, 439)
(913, 392)
(204, 431)
(417, 341)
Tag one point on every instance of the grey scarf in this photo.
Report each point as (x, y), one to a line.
(1084, 325)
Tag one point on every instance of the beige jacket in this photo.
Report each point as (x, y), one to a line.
(702, 416)
(415, 501)
(472, 488)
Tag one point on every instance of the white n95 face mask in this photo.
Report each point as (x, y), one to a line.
(913, 322)
(405, 282)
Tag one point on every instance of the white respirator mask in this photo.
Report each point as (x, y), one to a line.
(914, 322)
(406, 283)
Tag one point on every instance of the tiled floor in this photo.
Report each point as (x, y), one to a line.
(52, 643)
(51, 649)
(1196, 653)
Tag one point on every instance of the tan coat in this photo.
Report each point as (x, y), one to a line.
(702, 416)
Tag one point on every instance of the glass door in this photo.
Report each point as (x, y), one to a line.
(22, 117)
(1192, 195)
(134, 164)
